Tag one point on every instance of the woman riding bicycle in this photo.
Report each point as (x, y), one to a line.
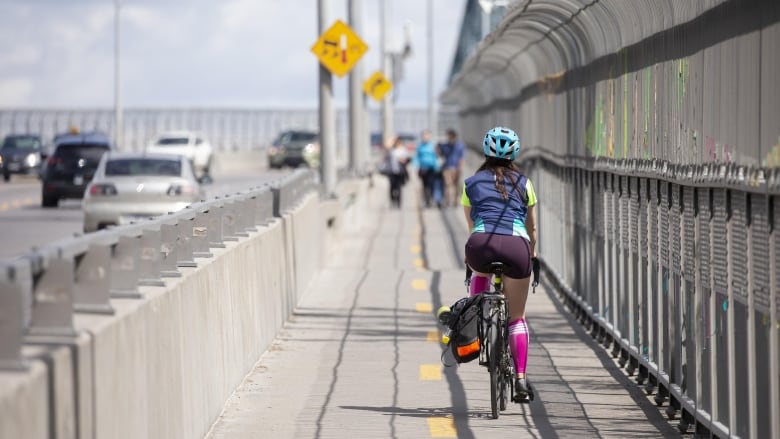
(499, 203)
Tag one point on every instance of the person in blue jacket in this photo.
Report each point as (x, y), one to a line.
(429, 169)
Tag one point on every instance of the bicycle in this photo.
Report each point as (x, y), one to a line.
(494, 344)
(493, 335)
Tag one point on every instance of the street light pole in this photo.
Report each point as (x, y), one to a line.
(387, 70)
(326, 117)
(431, 103)
(357, 137)
(118, 129)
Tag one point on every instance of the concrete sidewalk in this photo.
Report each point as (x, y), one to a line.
(360, 358)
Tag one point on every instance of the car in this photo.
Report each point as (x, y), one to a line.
(188, 144)
(130, 186)
(294, 148)
(71, 166)
(21, 154)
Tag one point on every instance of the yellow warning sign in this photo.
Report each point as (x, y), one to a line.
(339, 48)
(377, 86)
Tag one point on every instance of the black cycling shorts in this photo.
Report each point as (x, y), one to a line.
(482, 249)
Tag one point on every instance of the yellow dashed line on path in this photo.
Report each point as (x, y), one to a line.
(424, 307)
(432, 336)
(16, 203)
(3, 206)
(416, 249)
(420, 284)
(430, 372)
(442, 427)
(418, 262)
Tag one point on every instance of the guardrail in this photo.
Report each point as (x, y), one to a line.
(40, 290)
(679, 281)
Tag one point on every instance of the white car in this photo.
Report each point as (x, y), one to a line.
(185, 143)
(131, 186)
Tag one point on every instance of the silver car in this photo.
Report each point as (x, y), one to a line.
(131, 186)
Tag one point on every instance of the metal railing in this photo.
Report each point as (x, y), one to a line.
(679, 281)
(40, 290)
(226, 129)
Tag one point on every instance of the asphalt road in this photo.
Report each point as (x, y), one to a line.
(25, 224)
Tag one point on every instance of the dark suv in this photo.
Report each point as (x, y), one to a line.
(20, 154)
(71, 166)
(294, 148)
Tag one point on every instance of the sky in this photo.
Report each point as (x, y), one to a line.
(201, 53)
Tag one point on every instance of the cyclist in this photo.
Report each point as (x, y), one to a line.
(499, 204)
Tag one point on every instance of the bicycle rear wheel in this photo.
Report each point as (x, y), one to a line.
(495, 353)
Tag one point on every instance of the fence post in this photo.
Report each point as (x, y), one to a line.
(184, 230)
(149, 260)
(125, 270)
(200, 230)
(169, 247)
(15, 281)
(53, 284)
(93, 274)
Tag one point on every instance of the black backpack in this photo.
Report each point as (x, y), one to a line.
(464, 327)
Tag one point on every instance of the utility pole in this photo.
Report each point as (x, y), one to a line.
(431, 102)
(326, 116)
(387, 70)
(118, 129)
(357, 109)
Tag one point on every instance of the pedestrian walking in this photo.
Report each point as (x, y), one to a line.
(452, 151)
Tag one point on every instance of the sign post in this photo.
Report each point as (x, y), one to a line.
(338, 48)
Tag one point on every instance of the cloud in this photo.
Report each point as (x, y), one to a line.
(15, 91)
(179, 53)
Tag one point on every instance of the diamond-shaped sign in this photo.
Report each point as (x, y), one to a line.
(377, 85)
(339, 48)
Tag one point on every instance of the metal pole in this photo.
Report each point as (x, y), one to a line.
(357, 108)
(117, 94)
(431, 101)
(387, 69)
(326, 116)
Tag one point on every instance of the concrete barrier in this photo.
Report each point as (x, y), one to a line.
(166, 361)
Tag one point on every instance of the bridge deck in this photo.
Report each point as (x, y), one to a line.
(360, 357)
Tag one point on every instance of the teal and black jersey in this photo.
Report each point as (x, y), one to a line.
(490, 212)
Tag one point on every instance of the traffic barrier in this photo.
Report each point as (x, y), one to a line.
(118, 345)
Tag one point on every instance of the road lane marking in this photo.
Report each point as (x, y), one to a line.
(3, 206)
(442, 427)
(419, 263)
(420, 284)
(430, 372)
(424, 307)
(29, 200)
(16, 203)
(432, 336)
(416, 249)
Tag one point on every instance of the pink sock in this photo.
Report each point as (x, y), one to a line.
(479, 284)
(518, 344)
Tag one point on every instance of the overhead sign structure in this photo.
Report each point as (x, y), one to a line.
(377, 86)
(339, 48)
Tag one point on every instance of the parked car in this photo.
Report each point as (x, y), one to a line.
(129, 186)
(188, 144)
(21, 154)
(294, 148)
(71, 166)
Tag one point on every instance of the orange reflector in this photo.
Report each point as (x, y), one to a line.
(465, 351)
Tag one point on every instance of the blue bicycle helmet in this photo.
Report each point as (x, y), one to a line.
(501, 143)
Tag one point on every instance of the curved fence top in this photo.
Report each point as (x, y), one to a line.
(539, 40)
